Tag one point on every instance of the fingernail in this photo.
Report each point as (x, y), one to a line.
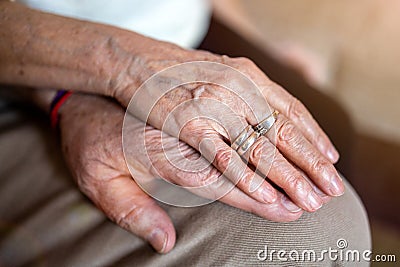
(158, 239)
(336, 188)
(314, 201)
(289, 205)
(333, 155)
(268, 195)
(318, 191)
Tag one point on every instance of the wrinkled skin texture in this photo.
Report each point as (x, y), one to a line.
(105, 60)
(300, 141)
(91, 140)
(101, 59)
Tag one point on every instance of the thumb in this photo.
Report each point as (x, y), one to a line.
(124, 202)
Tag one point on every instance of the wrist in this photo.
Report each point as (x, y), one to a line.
(82, 56)
(149, 58)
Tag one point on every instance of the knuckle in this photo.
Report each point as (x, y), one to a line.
(242, 61)
(207, 177)
(206, 55)
(319, 165)
(245, 60)
(197, 90)
(291, 182)
(247, 179)
(260, 150)
(296, 109)
(287, 131)
(125, 219)
(257, 149)
(296, 183)
(222, 158)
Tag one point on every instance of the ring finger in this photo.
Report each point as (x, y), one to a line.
(296, 148)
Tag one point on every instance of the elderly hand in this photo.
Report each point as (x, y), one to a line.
(100, 59)
(91, 140)
(197, 113)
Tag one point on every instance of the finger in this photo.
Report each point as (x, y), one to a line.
(291, 142)
(218, 186)
(125, 203)
(325, 198)
(282, 210)
(228, 162)
(293, 109)
(270, 162)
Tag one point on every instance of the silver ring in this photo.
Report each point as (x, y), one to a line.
(248, 143)
(241, 138)
(266, 124)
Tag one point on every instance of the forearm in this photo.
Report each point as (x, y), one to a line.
(43, 50)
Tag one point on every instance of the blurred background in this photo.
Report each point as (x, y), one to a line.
(338, 57)
(341, 59)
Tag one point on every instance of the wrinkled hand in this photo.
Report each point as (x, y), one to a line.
(302, 145)
(101, 59)
(91, 140)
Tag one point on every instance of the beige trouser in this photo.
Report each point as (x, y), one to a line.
(46, 221)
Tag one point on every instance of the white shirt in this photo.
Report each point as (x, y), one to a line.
(183, 22)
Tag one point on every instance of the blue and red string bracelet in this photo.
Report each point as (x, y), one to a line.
(58, 101)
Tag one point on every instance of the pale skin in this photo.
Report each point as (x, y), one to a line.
(92, 149)
(42, 50)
